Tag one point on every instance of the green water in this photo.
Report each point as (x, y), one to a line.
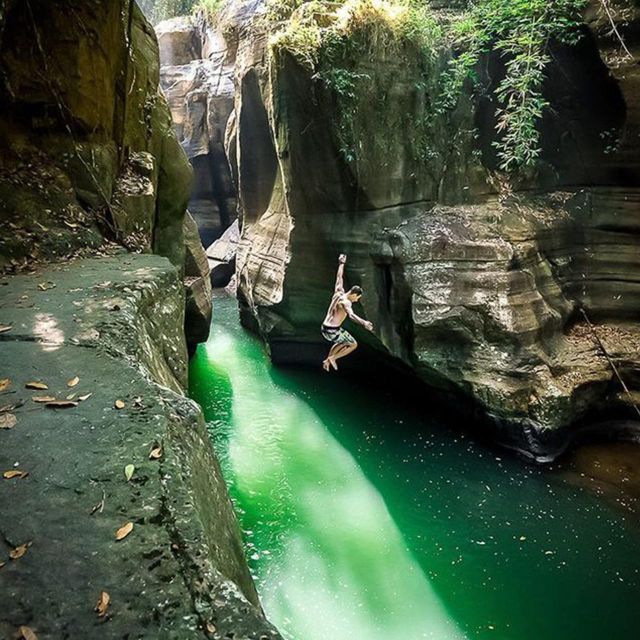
(366, 518)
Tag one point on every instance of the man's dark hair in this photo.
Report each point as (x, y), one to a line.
(356, 290)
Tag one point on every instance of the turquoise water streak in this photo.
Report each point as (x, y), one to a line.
(367, 519)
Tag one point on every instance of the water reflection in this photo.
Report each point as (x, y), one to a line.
(333, 563)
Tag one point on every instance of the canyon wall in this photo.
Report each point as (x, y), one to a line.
(88, 148)
(196, 75)
(105, 288)
(476, 284)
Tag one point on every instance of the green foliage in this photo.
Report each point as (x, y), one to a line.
(328, 37)
(344, 84)
(334, 39)
(208, 7)
(521, 30)
(304, 28)
(158, 10)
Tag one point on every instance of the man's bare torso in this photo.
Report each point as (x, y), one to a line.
(337, 312)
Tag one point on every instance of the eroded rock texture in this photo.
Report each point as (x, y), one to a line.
(88, 149)
(197, 77)
(90, 165)
(476, 288)
(116, 324)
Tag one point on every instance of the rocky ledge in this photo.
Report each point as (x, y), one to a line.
(94, 366)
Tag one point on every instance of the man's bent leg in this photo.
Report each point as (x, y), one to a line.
(334, 354)
(329, 361)
(346, 349)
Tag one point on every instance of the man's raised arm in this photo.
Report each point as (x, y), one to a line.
(340, 275)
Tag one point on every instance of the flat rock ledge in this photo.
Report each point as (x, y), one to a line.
(116, 324)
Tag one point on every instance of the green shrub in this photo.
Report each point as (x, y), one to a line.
(318, 34)
(521, 31)
(208, 7)
(158, 10)
(332, 39)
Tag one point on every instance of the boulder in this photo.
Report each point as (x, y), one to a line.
(134, 202)
(222, 256)
(178, 41)
(198, 286)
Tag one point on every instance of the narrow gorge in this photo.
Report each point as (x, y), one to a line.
(177, 181)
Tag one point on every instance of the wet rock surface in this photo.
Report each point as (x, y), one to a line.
(115, 324)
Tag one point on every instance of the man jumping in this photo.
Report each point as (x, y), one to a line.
(339, 310)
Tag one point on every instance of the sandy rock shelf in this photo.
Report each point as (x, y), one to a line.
(117, 325)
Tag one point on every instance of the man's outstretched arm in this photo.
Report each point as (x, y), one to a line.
(355, 318)
(340, 275)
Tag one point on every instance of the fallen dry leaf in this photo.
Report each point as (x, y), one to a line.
(73, 382)
(2, 564)
(61, 404)
(40, 386)
(10, 407)
(45, 286)
(5, 327)
(19, 551)
(7, 421)
(85, 396)
(124, 531)
(103, 604)
(15, 473)
(119, 404)
(4, 383)
(100, 506)
(211, 628)
(43, 398)
(27, 633)
(128, 471)
(155, 453)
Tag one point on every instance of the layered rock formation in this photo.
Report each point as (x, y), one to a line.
(475, 286)
(222, 256)
(90, 166)
(197, 77)
(88, 149)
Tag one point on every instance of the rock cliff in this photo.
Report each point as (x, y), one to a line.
(88, 150)
(474, 282)
(89, 168)
(196, 74)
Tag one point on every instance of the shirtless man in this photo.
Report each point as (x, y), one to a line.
(339, 310)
